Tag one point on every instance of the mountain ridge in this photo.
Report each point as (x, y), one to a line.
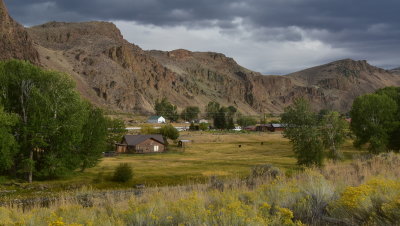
(115, 74)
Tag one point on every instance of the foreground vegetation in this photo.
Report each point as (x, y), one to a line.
(364, 192)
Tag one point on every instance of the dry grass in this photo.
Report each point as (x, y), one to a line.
(332, 196)
(208, 154)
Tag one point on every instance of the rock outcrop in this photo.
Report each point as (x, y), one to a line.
(14, 40)
(395, 71)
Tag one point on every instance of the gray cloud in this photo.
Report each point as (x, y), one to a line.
(363, 29)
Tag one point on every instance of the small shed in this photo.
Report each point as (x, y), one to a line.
(183, 143)
(138, 144)
(156, 119)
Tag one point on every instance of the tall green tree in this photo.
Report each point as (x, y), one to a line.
(8, 144)
(116, 131)
(212, 109)
(190, 113)
(220, 118)
(333, 130)
(373, 121)
(303, 132)
(95, 132)
(52, 117)
(244, 121)
(394, 135)
(166, 109)
(170, 132)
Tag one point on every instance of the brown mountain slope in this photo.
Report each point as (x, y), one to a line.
(340, 82)
(121, 75)
(114, 73)
(331, 86)
(395, 71)
(14, 40)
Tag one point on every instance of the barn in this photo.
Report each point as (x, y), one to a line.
(139, 144)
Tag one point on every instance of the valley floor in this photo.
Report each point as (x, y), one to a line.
(209, 154)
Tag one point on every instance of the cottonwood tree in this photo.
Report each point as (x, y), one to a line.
(244, 121)
(8, 145)
(374, 120)
(303, 132)
(212, 109)
(50, 132)
(94, 142)
(116, 131)
(166, 109)
(190, 113)
(170, 132)
(333, 130)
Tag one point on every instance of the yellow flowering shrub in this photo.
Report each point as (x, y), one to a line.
(375, 202)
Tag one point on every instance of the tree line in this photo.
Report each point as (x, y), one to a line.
(46, 129)
(223, 117)
(375, 122)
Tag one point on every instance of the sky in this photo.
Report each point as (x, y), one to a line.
(268, 36)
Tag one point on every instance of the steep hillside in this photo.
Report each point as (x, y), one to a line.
(340, 82)
(395, 70)
(14, 40)
(121, 75)
(113, 73)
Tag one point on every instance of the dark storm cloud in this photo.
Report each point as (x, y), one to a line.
(368, 28)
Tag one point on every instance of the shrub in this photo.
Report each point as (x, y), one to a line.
(265, 171)
(123, 173)
(373, 203)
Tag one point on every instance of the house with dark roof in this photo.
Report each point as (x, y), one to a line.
(137, 144)
(272, 127)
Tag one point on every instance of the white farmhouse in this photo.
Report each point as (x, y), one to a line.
(156, 119)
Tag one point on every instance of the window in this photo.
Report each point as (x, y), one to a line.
(155, 148)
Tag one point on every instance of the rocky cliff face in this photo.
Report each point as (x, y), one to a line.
(113, 73)
(395, 71)
(14, 40)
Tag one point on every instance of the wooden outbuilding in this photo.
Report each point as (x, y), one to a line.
(139, 144)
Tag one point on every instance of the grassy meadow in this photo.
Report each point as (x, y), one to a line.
(208, 154)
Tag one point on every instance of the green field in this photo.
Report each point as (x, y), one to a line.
(209, 154)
